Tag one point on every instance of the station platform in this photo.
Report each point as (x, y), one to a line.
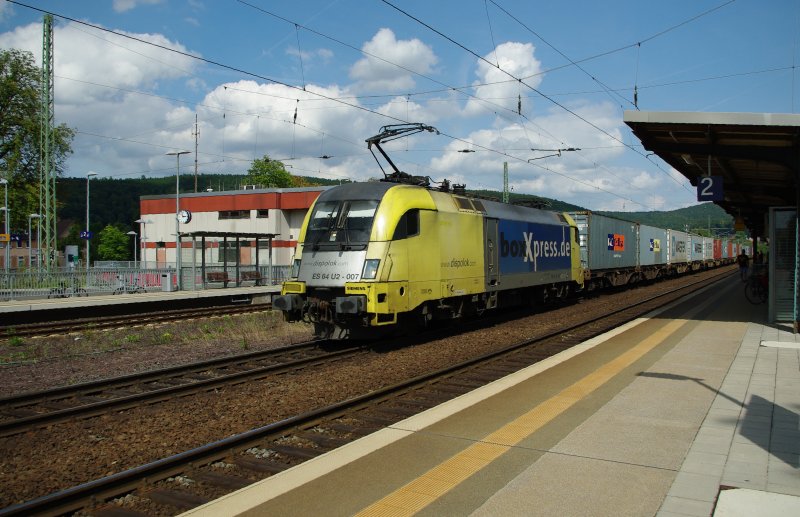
(692, 410)
(250, 294)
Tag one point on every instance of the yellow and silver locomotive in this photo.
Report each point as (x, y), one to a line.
(377, 254)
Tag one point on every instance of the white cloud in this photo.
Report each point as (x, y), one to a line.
(121, 6)
(98, 75)
(405, 109)
(309, 56)
(373, 74)
(587, 177)
(89, 55)
(5, 11)
(496, 87)
(253, 119)
(645, 181)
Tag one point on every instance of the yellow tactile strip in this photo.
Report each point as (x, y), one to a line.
(435, 483)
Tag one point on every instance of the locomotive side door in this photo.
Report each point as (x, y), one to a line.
(492, 254)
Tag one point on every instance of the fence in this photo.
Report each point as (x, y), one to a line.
(68, 282)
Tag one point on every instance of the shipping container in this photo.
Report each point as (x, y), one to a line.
(606, 242)
(717, 249)
(652, 246)
(727, 249)
(677, 247)
(695, 248)
(708, 249)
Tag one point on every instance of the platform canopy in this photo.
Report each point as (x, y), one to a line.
(230, 235)
(756, 154)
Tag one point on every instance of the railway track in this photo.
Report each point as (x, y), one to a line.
(23, 412)
(185, 480)
(108, 322)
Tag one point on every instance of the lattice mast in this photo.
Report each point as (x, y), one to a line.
(47, 174)
(505, 182)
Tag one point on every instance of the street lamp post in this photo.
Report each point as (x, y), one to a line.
(6, 260)
(39, 244)
(142, 240)
(30, 241)
(88, 177)
(135, 260)
(177, 155)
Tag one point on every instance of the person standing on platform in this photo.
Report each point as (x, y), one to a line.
(744, 263)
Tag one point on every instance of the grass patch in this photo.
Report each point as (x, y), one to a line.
(225, 334)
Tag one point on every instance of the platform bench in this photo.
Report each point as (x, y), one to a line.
(246, 276)
(218, 276)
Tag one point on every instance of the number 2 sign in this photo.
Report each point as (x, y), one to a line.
(709, 188)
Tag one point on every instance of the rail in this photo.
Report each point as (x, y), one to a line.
(99, 397)
(124, 320)
(356, 416)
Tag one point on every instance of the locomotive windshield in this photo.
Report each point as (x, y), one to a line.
(341, 224)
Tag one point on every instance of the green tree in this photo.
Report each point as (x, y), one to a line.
(114, 244)
(20, 127)
(269, 173)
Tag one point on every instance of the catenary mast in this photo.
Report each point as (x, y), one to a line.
(47, 174)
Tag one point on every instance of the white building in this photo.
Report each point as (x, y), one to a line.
(254, 211)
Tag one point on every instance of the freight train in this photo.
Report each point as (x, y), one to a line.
(397, 253)
(377, 254)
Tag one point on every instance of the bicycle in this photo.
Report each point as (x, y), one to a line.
(756, 289)
(132, 288)
(62, 291)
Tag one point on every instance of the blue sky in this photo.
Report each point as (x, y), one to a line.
(348, 67)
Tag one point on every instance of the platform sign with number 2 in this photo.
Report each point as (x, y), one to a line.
(709, 188)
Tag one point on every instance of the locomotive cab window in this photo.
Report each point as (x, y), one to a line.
(341, 224)
(408, 226)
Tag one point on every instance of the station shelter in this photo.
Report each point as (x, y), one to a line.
(231, 271)
(748, 164)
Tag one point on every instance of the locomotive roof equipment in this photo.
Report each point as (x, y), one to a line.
(393, 132)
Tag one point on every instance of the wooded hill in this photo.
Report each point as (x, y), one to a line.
(116, 201)
(704, 219)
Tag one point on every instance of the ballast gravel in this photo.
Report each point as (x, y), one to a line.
(47, 460)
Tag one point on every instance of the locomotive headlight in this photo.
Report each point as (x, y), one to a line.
(370, 269)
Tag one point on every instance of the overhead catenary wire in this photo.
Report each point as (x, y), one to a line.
(563, 107)
(203, 59)
(366, 53)
(262, 77)
(491, 32)
(446, 89)
(638, 44)
(300, 55)
(222, 65)
(456, 88)
(577, 65)
(407, 96)
(636, 79)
